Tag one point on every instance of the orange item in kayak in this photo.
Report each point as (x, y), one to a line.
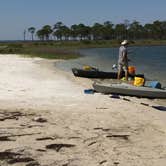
(131, 70)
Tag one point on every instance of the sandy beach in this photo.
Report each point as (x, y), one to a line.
(46, 119)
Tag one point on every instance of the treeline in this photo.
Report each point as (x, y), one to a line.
(105, 31)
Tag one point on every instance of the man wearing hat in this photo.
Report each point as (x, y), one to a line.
(123, 60)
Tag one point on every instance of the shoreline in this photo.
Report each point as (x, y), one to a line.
(43, 108)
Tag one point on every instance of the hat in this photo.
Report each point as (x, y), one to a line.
(124, 42)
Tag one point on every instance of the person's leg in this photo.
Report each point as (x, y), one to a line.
(119, 71)
(126, 75)
(126, 72)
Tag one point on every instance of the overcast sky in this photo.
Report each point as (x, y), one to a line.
(17, 15)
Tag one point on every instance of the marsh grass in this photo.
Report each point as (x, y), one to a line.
(64, 49)
(47, 50)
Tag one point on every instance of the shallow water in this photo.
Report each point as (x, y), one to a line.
(150, 60)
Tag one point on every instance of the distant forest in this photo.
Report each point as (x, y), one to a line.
(105, 31)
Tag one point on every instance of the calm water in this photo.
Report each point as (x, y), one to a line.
(149, 60)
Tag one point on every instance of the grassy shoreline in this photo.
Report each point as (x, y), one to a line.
(64, 49)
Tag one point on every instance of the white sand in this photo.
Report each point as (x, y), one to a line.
(34, 85)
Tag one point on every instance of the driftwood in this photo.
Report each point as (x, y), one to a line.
(41, 150)
(5, 138)
(102, 162)
(103, 108)
(145, 104)
(8, 155)
(12, 115)
(30, 126)
(60, 163)
(126, 99)
(13, 157)
(92, 143)
(116, 163)
(8, 136)
(122, 136)
(57, 147)
(39, 119)
(49, 138)
(45, 138)
(69, 162)
(19, 135)
(74, 137)
(33, 163)
(16, 157)
(12, 128)
(103, 129)
(20, 158)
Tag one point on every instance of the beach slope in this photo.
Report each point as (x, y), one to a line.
(46, 119)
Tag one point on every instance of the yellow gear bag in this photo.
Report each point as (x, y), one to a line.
(138, 81)
(87, 67)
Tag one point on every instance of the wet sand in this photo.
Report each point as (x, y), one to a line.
(46, 119)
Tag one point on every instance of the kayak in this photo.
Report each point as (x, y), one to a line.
(129, 90)
(99, 74)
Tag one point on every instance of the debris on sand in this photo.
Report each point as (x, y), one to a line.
(58, 147)
(39, 119)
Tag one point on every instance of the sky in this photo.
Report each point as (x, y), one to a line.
(18, 15)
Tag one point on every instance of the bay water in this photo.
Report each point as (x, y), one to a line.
(149, 60)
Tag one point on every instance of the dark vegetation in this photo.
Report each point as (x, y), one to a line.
(49, 50)
(64, 49)
(62, 42)
(105, 31)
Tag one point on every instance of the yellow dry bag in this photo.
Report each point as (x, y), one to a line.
(87, 67)
(138, 81)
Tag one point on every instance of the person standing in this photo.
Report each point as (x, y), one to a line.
(123, 60)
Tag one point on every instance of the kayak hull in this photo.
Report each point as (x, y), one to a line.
(99, 74)
(129, 90)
